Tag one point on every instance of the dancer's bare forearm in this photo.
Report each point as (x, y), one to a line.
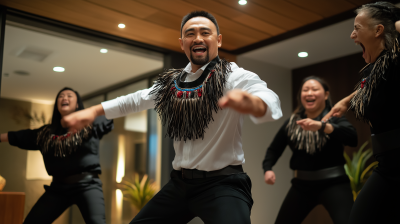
(4, 137)
(79, 120)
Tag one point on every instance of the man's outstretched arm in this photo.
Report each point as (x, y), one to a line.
(118, 107)
(250, 95)
(80, 119)
(243, 102)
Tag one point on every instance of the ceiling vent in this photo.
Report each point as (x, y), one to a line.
(33, 53)
(20, 72)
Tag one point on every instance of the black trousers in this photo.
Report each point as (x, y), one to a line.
(303, 196)
(378, 201)
(88, 196)
(215, 200)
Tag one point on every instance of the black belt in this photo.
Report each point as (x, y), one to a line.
(75, 178)
(385, 141)
(194, 173)
(322, 174)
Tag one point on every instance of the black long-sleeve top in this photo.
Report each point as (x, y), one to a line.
(84, 159)
(383, 107)
(330, 155)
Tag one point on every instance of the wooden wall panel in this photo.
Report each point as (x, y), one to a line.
(264, 14)
(258, 24)
(181, 8)
(324, 8)
(157, 22)
(165, 19)
(290, 10)
(228, 24)
(101, 19)
(360, 2)
(129, 7)
(218, 8)
(12, 206)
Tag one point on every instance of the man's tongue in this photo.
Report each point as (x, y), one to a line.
(199, 51)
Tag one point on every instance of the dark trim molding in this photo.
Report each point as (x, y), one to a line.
(122, 84)
(3, 14)
(301, 30)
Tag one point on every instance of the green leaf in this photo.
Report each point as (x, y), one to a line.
(348, 163)
(363, 146)
(355, 168)
(367, 155)
(139, 192)
(370, 167)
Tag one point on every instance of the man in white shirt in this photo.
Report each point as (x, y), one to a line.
(203, 107)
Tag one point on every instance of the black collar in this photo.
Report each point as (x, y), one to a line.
(201, 79)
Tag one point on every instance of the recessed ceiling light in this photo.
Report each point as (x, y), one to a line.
(303, 54)
(121, 25)
(103, 50)
(58, 69)
(242, 2)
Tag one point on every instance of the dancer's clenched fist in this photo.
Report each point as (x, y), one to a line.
(243, 102)
(78, 120)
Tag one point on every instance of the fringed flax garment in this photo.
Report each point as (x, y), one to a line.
(365, 87)
(305, 140)
(61, 144)
(187, 107)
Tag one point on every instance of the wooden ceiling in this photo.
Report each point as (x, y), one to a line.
(157, 22)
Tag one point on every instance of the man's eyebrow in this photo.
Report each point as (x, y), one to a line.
(192, 29)
(189, 29)
(205, 28)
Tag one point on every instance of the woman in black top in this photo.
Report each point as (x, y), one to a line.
(72, 160)
(375, 101)
(317, 157)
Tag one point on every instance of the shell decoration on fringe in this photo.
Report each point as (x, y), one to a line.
(368, 84)
(311, 141)
(62, 145)
(188, 111)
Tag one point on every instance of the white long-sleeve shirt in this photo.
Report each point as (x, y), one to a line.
(222, 143)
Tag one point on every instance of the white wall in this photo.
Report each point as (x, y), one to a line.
(256, 139)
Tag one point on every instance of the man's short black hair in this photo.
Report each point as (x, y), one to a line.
(201, 14)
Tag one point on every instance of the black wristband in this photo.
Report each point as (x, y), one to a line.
(323, 125)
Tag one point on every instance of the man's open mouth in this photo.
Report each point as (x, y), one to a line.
(199, 50)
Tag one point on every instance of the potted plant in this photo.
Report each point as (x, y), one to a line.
(138, 192)
(355, 168)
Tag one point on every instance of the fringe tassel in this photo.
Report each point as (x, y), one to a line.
(186, 117)
(363, 96)
(305, 140)
(64, 144)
